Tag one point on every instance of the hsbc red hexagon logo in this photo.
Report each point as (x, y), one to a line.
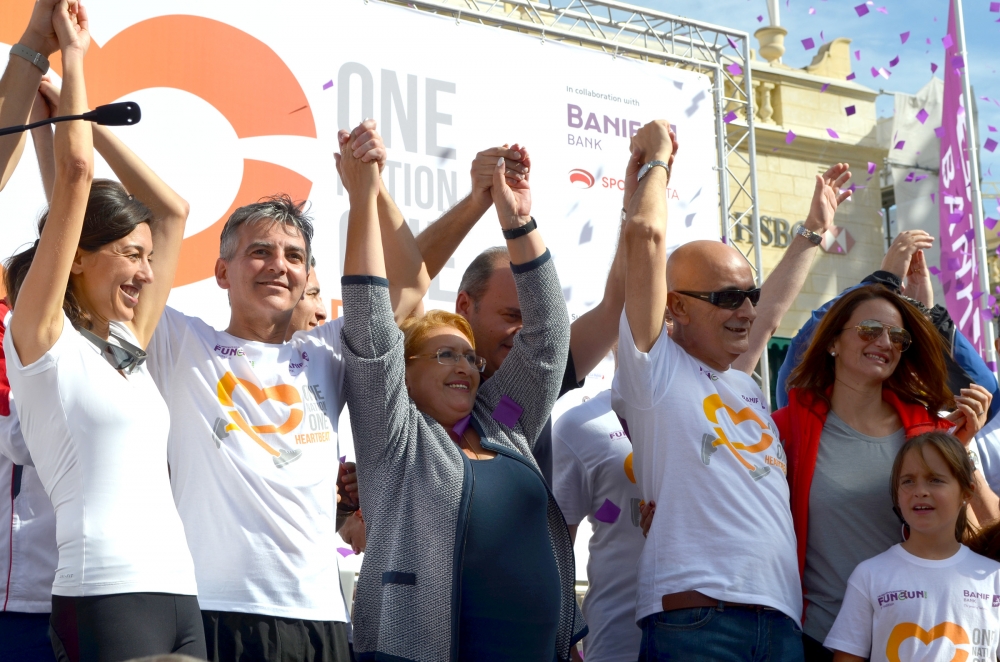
(581, 178)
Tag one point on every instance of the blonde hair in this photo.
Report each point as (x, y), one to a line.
(416, 328)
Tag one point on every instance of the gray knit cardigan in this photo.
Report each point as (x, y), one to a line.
(415, 484)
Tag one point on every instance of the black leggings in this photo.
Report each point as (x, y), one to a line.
(112, 628)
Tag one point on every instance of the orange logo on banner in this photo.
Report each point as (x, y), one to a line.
(713, 405)
(904, 631)
(239, 75)
(282, 393)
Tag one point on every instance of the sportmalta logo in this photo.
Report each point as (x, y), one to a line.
(744, 453)
(898, 648)
(581, 178)
(283, 393)
(172, 51)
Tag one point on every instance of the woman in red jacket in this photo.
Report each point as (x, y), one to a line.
(872, 377)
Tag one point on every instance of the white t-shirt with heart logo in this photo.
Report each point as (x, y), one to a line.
(253, 454)
(901, 607)
(707, 452)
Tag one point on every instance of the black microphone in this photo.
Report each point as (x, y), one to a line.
(123, 113)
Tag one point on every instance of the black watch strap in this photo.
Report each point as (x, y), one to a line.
(521, 231)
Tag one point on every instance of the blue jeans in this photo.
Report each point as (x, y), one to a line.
(720, 634)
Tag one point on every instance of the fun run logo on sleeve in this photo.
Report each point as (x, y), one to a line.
(730, 425)
(938, 642)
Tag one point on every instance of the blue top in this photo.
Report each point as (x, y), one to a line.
(510, 581)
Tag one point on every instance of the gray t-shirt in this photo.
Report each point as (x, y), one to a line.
(850, 516)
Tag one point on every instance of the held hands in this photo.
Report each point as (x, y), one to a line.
(918, 283)
(973, 405)
(347, 486)
(361, 157)
(904, 247)
(646, 512)
(71, 27)
(45, 105)
(827, 197)
(482, 172)
(40, 36)
(512, 199)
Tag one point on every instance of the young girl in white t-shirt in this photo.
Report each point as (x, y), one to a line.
(929, 597)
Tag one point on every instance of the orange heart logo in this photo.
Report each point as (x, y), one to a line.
(283, 393)
(713, 404)
(239, 75)
(628, 468)
(904, 631)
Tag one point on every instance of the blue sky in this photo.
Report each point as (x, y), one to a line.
(877, 36)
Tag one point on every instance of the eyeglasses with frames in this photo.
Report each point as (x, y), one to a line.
(449, 356)
(871, 330)
(727, 299)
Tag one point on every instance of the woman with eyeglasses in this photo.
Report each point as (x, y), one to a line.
(86, 299)
(468, 556)
(872, 377)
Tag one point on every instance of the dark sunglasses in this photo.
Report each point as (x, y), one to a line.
(871, 330)
(125, 357)
(728, 299)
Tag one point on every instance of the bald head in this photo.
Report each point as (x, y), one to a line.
(707, 266)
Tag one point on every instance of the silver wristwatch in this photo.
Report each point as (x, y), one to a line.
(646, 167)
(815, 238)
(31, 56)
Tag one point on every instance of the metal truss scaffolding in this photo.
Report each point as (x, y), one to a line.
(723, 54)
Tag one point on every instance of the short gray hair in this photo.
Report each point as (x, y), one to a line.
(276, 209)
(477, 276)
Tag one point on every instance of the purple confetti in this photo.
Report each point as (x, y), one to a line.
(922, 116)
(954, 263)
(808, 43)
(811, 11)
(894, 61)
(990, 223)
(919, 178)
(789, 138)
(909, 177)
(871, 168)
(970, 235)
(947, 41)
(857, 55)
(883, 10)
(904, 36)
(732, 43)
(990, 145)
(992, 129)
(934, 270)
(760, 18)
(900, 144)
(608, 512)
(345, 551)
(343, 458)
(874, 72)
(507, 412)
(850, 76)
(730, 116)
(833, 134)
(734, 69)
(958, 62)
(821, 37)
(933, 68)
(992, 365)
(955, 217)
(939, 132)
(850, 110)
(932, 197)
(827, 85)
(883, 73)
(995, 7)
(327, 85)
(987, 314)
(861, 10)
(460, 427)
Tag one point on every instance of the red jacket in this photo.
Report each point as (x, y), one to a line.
(800, 425)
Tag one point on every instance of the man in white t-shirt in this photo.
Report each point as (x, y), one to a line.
(253, 447)
(593, 480)
(718, 576)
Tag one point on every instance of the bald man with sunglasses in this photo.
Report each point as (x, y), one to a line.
(718, 576)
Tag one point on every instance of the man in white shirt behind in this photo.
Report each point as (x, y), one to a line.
(718, 576)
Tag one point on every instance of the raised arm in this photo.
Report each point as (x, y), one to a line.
(593, 334)
(439, 241)
(38, 318)
(364, 236)
(43, 108)
(19, 84)
(786, 280)
(646, 237)
(408, 279)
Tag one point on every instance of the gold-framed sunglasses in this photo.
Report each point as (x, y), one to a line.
(448, 356)
(872, 330)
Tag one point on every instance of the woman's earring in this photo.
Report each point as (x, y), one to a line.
(905, 531)
(833, 353)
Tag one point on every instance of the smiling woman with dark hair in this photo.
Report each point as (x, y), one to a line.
(872, 377)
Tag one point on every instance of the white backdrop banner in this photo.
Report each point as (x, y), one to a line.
(244, 101)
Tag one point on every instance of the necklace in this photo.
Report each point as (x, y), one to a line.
(468, 445)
